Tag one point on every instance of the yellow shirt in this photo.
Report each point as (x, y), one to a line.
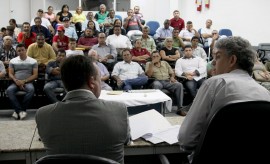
(78, 18)
(43, 55)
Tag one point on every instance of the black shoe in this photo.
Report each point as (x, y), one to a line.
(181, 112)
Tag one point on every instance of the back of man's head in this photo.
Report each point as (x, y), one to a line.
(241, 48)
(76, 71)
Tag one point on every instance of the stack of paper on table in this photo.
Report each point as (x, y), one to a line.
(153, 127)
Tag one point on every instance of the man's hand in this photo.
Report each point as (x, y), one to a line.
(189, 77)
(20, 84)
(172, 80)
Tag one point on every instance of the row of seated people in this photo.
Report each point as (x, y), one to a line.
(37, 26)
(126, 73)
(103, 45)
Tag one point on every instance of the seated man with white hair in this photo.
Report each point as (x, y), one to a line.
(104, 73)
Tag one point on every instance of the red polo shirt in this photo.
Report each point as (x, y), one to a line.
(179, 24)
(27, 41)
(137, 52)
(62, 43)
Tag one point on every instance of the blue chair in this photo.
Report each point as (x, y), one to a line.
(226, 32)
(119, 17)
(154, 25)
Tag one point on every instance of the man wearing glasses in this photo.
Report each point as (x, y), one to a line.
(215, 37)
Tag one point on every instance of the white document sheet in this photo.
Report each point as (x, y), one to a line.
(148, 122)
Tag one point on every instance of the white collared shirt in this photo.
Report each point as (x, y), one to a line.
(126, 70)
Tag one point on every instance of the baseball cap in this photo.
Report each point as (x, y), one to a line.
(60, 28)
(65, 19)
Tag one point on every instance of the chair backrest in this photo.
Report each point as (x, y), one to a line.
(237, 133)
(264, 51)
(154, 25)
(200, 36)
(226, 32)
(119, 17)
(74, 158)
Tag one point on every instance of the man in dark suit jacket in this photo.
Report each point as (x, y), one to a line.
(82, 123)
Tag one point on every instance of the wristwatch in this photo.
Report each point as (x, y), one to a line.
(25, 81)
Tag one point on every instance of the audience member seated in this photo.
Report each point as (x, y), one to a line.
(109, 21)
(91, 24)
(117, 22)
(50, 15)
(197, 50)
(69, 31)
(88, 40)
(38, 28)
(193, 69)
(90, 17)
(260, 74)
(164, 78)
(104, 73)
(118, 40)
(54, 76)
(147, 41)
(83, 124)
(206, 32)
(169, 53)
(177, 41)
(139, 54)
(41, 51)
(132, 25)
(215, 37)
(177, 22)
(162, 33)
(267, 66)
(128, 74)
(7, 52)
(26, 37)
(17, 30)
(106, 52)
(64, 13)
(101, 15)
(78, 19)
(210, 69)
(72, 48)
(2, 34)
(2, 69)
(10, 32)
(188, 33)
(44, 22)
(60, 41)
(138, 14)
(23, 70)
